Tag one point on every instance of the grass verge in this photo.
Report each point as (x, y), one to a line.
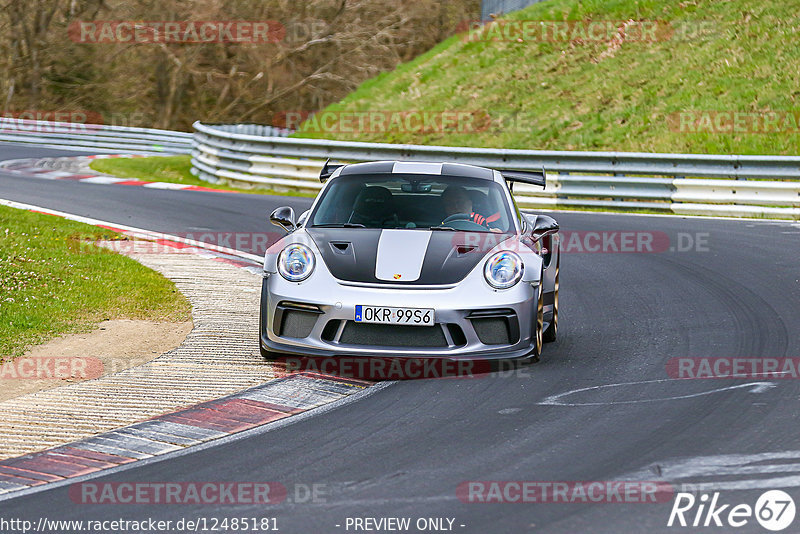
(53, 281)
(172, 169)
(578, 93)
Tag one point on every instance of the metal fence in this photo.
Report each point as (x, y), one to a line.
(95, 138)
(690, 184)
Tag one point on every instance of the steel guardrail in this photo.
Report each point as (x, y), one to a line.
(98, 138)
(263, 156)
(688, 184)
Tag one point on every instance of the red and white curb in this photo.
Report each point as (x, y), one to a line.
(202, 423)
(38, 168)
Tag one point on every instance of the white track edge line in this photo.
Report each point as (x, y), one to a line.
(145, 233)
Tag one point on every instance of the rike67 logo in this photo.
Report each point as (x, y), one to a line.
(774, 510)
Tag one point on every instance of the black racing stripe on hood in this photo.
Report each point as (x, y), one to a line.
(356, 263)
(448, 261)
(351, 254)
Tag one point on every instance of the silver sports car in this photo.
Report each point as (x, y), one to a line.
(413, 260)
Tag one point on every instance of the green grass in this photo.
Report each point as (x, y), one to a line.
(172, 169)
(53, 281)
(590, 96)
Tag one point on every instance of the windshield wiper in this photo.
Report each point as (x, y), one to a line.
(443, 228)
(339, 225)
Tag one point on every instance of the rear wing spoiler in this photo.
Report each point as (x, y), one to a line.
(328, 170)
(525, 177)
(511, 176)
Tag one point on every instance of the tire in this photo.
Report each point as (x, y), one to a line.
(552, 331)
(268, 355)
(538, 325)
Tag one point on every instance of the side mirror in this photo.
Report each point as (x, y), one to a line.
(284, 217)
(543, 225)
(303, 217)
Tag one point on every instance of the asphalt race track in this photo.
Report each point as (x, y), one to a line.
(404, 450)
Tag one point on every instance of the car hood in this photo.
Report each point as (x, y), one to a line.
(402, 256)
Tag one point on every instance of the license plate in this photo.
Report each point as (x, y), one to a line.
(386, 315)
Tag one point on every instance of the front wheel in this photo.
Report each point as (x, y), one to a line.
(262, 327)
(538, 325)
(552, 330)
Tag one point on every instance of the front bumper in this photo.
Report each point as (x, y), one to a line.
(472, 320)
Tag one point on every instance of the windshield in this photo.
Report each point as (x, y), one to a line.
(414, 201)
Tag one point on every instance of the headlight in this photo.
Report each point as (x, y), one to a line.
(503, 270)
(296, 262)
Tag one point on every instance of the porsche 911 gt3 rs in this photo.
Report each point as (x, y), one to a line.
(412, 259)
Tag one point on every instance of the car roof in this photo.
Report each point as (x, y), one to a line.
(416, 167)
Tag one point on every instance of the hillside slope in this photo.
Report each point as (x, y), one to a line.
(704, 76)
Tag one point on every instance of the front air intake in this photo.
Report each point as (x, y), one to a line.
(495, 326)
(296, 320)
(388, 335)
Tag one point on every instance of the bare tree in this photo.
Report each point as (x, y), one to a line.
(326, 49)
